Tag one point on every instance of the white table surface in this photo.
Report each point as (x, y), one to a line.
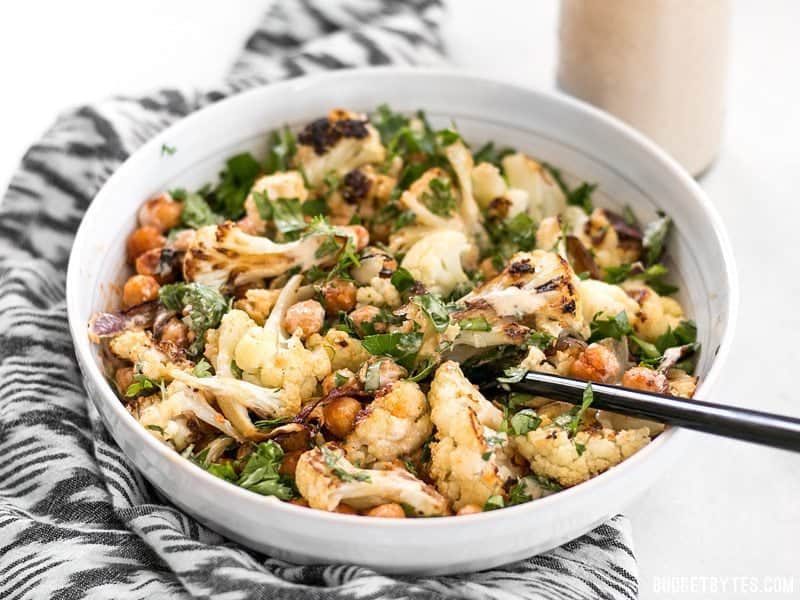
(729, 509)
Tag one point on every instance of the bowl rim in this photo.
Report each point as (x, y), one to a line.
(668, 439)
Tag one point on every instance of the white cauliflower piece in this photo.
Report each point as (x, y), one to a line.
(379, 292)
(287, 184)
(545, 198)
(681, 383)
(269, 356)
(461, 160)
(413, 199)
(487, 183)
(435, 260)
(325, 478)
(395, 424)
(257, 303)
(137, 346)
(655, 314)
(570, 461)
(470, 460)
(343, 351)
(339, 143)
(606, 301)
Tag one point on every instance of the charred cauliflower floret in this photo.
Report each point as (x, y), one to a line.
(257, 303)
(552, 453)
(655, 314)
(225, 254)
(470, 459)
(325, 478)
(395, 424)
(545, 197)
(435, 261)
(287, 184)
(608, 250)
(537, 289)
(273, 358)
(344, 352)
(338, 143)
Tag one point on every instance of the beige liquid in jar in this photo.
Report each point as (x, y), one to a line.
(659, 65)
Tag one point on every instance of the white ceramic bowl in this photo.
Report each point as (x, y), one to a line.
(584, 142)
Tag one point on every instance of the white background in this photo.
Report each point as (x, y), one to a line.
(729, 509)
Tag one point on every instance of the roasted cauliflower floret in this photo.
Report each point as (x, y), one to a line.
(600, 299)
(461, 160)
(537, 289)
(234, 396)
(655, 314)
(344, 352)
(598, 234)
(470, 459)
(569, 461)
(324, 477)
(379, 292)
(545, 197)
(271, 357)
(287, 184)
(225, 254)
(487, 183)
(338, 143)
(395, 424)
(258, 303)
(168, 418)
(435, 261)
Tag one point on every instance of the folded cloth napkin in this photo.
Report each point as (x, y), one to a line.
(76, 519)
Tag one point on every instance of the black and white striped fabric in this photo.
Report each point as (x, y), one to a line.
(76, 519)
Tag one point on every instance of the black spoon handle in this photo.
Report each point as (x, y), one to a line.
(728, 421)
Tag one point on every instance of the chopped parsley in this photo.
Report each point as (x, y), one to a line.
(439, 200)
(197, 213)
(611, 327)
(202, 308)
(403, 347)
(435, 310)
(524, 421)
(167, 150)
(475, 324)
(654, 239)
(493, 503)
(142, 385)
(202, 368)
(282, 148)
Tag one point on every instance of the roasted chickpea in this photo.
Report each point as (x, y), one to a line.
(337, 378)
(642, 378)
(340, 415)
(345, 510)
(392, 510)
(161, 212)
(339, 295)
(469, 509)
(138, 289)
(364, 320)
(307, 316)
(299, 502)
(176, 332)
(296, 440)
(142, 240)
(289, 463)
(360, 234)
(123, 378)
(596, 363)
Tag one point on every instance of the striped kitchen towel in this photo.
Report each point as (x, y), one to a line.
(76, 519)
